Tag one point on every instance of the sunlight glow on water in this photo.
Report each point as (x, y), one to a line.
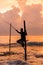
(5, 39)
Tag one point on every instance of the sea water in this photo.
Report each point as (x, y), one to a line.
(18, 57)
(34, 53)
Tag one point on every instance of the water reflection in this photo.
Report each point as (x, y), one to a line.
(34, 56)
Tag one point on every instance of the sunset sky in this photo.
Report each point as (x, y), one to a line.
(15, 11)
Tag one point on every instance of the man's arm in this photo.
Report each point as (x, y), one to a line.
(17, 31)
(25, 32)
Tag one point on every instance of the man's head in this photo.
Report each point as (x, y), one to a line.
(21, 29)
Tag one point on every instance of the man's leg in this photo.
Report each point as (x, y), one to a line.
(20, 41)
(23, 43)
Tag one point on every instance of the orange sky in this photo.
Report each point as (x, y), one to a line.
(15, 11)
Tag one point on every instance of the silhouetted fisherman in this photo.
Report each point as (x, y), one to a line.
(22, 34)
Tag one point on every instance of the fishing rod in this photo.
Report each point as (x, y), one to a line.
(14, 28)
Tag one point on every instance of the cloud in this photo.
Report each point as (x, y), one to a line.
(10, 16)
(32, 16)
(30, 2)
(33, 19)
(6, 5)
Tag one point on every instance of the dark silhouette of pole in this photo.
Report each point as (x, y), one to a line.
(25, 49)
(10, 40)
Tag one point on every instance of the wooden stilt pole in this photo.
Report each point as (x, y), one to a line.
(25, 50)
(25, 41)
(10, 40)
